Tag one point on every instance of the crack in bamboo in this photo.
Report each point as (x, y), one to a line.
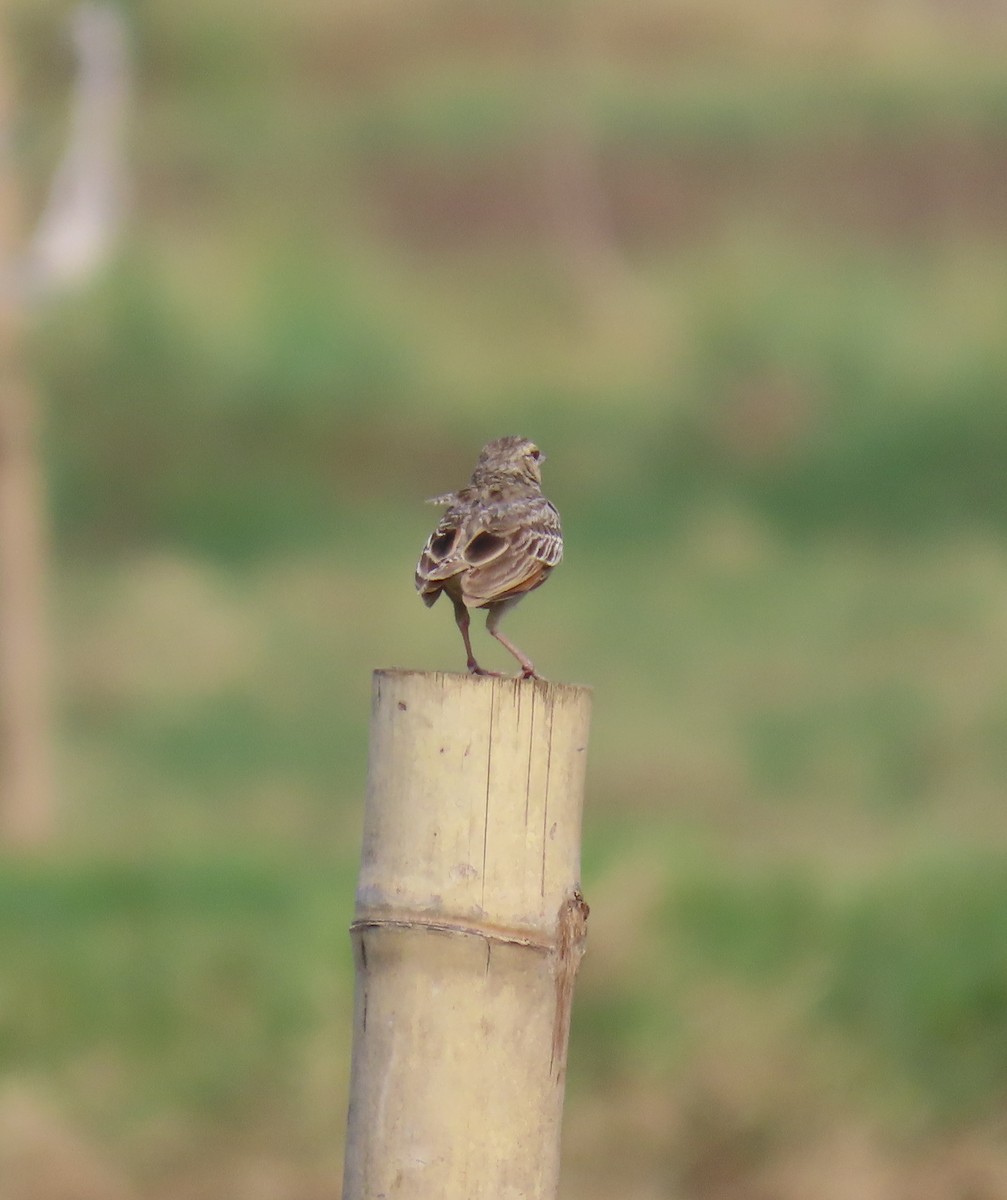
(531, 743)
(491, 936)
(489, 777)
(545, 802)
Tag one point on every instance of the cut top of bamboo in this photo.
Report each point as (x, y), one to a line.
(481, 782)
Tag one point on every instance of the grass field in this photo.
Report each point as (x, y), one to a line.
(742, 272)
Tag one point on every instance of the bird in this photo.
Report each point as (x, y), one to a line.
(499, 539)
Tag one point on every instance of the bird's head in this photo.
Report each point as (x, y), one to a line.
(509, 458)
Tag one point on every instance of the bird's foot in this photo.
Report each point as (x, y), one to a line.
(529, 672)
(476, 669)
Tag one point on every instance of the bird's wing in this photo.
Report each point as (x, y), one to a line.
(442, 557)
(493, 552)
(514, 555)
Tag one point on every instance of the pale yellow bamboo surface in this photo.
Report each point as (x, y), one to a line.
(468, 931)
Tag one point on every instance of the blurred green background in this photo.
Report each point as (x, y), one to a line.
(741, 270)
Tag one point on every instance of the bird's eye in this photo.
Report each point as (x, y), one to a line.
(536, 454)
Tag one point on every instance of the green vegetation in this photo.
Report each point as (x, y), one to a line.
(769, 381)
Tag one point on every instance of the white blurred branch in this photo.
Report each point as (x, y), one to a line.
(84, 210)
(73, 239)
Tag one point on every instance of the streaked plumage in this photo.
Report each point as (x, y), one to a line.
(499, 539)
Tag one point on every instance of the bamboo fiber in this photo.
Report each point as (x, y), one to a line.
(468, 931)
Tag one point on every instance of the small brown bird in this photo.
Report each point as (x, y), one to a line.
(499, 539)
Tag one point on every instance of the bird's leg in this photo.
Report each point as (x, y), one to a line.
(462, 618)
(527, 669)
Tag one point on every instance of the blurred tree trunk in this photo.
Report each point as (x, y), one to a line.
(26, 786)
(72, 241)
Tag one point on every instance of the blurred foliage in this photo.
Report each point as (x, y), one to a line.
(742, 271)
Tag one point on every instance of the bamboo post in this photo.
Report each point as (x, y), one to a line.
(468, 932)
